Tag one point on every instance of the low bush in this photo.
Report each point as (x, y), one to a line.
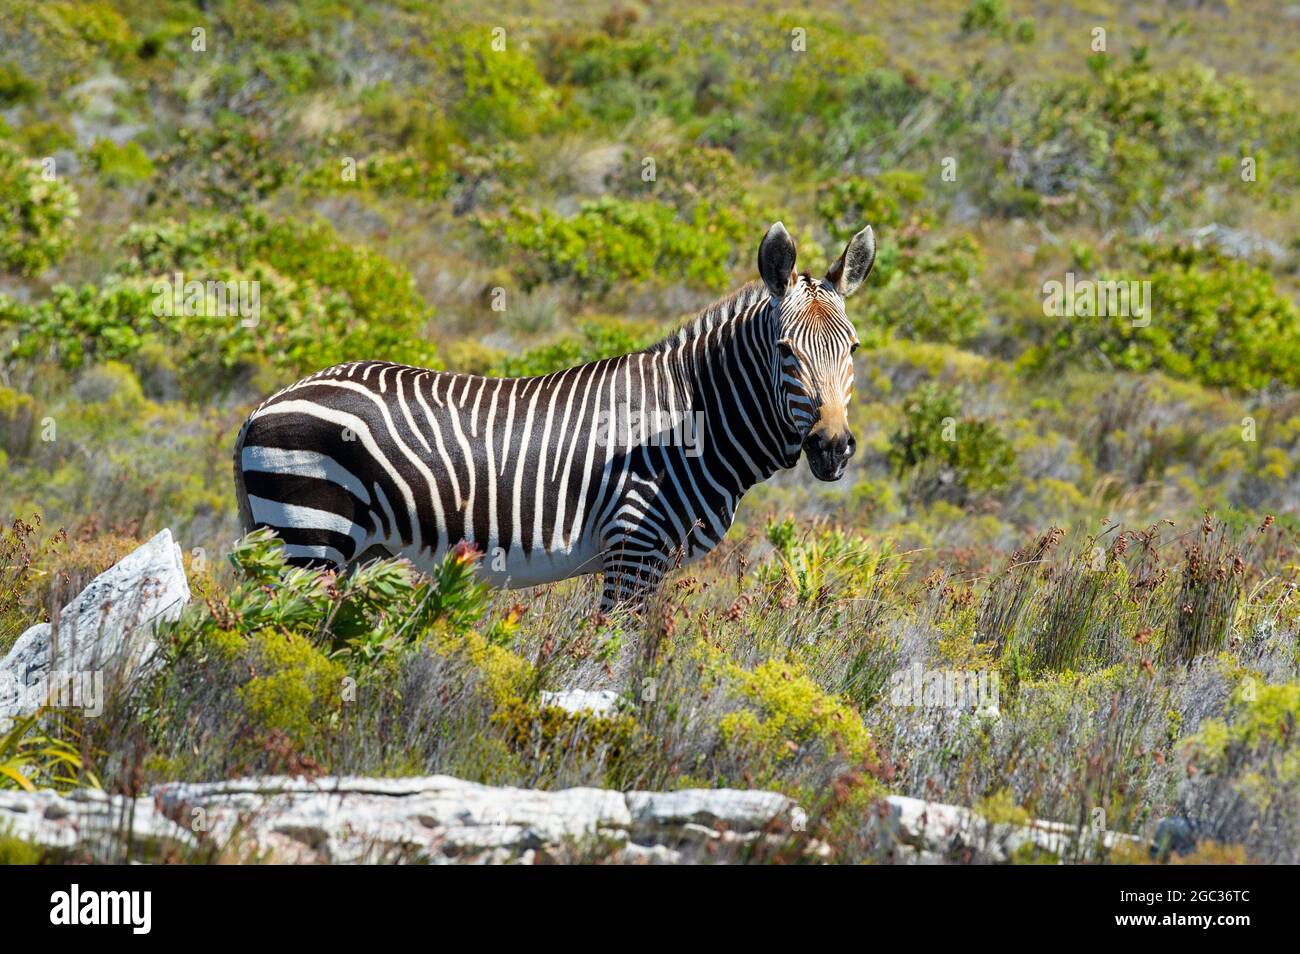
(37, 214)
(944, 454)
(611, 242)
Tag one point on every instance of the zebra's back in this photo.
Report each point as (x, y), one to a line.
(412, 461)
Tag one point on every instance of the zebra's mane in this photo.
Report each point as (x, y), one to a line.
(731, 305)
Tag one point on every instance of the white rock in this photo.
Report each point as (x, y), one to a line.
(444, 820)
(351, 820)
(441, 819)
(737, 810)
(109, 626)
(90, 823)
(634, 854)
(597, 701)
(932, 829)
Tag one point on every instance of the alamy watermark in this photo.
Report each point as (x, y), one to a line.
(211, 299)
(627, 426)
(60, 689)
(1089, 298)
(921, 688)
(133, 909)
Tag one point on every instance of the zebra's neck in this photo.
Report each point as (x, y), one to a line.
(725, 360)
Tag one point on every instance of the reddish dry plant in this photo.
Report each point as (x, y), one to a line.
(22, 553)
(1211, 584)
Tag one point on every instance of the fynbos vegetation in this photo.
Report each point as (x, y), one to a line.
(1057, 580)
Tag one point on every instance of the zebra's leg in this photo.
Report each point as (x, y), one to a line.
(631, 578)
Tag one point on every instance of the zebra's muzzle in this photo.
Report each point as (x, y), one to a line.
(829, 456)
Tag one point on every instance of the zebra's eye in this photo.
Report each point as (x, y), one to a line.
(854, 347)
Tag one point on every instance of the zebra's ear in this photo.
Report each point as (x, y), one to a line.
(854, 264)
(776, 256)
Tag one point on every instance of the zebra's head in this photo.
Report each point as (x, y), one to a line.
(815, 346)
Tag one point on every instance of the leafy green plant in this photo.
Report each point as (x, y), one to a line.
(611, 241)
(501, 92)
(37, 214)
(32, 757)
(1214, 319)
(928, 291)
(1124, 142)
(362, 615)
(15, 85)
(1246, 770)
(892, 199)
(596, 340)
(121, 164)
(944, 454)
(17, 419)
(829, 561)
(320, 300)
(787, 716)
(989, 16)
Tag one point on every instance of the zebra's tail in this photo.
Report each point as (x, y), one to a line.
(241, 492)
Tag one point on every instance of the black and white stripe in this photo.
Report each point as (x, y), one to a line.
(542, 474)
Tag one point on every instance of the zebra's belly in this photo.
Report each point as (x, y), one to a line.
(517, 570)
(514, 569)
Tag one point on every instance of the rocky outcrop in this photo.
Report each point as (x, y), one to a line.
(438, 819)
(107, 628)
(916, 831)
(444, 820)
(90, 825)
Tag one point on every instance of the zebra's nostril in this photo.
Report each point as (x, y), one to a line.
(850, 446)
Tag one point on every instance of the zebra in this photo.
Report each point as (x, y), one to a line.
(627, 466)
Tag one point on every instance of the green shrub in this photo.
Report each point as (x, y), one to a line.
(704, 184)
(37, 216)
(1264, 716)
(927, 291)
(290, 647)
(17, 418)
(42, 138)
(1245, 767)
(611, 241)
(989, 16)
(944, 454)
(15, 86)
(98, 24)
(404, 173)
(32, 754)
(786, 716)
(226, 165)
(595, 341)
(321, 301)
(1213, 319)
(360, 617)
(122, 164)
(76, 325)
(16, 851)
(499, 93)
(886, 201)
(831, 560)
(737, 84)
(1125, 142)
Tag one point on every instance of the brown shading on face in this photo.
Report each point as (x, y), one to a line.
(816, 344)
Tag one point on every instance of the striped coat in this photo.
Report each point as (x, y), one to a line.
(624, 466)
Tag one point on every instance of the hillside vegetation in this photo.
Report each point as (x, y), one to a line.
(1101, 510)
